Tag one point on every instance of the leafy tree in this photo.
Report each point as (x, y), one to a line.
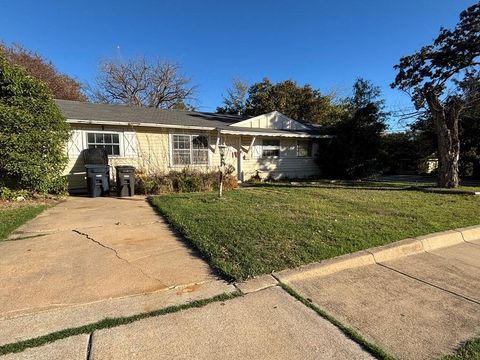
(140, 82)
(398, 153)
(33, 133)
(469, 126)
(355, 149)
(234, 102)
(61, 86)
(298, 102)
(469, 129)
(424, 136)
(432, 77)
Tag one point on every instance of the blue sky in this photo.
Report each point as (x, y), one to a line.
(324, 43)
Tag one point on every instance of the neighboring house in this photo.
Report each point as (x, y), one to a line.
(428, 164)
(156, 140)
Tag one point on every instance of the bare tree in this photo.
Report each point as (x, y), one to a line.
(140, 82)
(234, 101)
(61, 85)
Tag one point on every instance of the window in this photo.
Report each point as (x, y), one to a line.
(189, 149)
(270, 148)
(304, 148)
(110, 142)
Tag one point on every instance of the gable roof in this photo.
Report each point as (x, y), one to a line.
(274, 120)
(77, 111)
(108, 114)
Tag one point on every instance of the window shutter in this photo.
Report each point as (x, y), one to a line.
(257, 149)
(75, 144)
(129, 144)
(315, 148)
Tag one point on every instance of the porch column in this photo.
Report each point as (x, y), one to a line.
(240, 160)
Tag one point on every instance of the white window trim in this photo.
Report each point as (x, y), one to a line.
(120, 140)
(311, 149)
(271, 147)
(170, 150)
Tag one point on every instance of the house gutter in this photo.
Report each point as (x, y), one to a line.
(257, 133)
(139, 124)
(189, 127)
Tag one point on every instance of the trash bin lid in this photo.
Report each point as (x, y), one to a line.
(96, 166)
(125, 168)
(91, 168)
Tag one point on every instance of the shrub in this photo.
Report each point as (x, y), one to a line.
(184, 181)
(33, 134)
(9, 194)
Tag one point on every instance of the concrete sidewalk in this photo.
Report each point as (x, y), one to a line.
(86, 259)
(268, 324)
(419, 306)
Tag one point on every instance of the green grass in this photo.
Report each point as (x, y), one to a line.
(11, 218)
(260, 230)
(109, 323)
(468, 351)
(373, 184)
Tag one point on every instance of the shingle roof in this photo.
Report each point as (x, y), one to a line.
(76, 110)
(83, 111)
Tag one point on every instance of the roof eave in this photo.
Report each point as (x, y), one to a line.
(275, 134)
(138, 124)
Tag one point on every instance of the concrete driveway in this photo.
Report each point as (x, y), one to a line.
(88, 251)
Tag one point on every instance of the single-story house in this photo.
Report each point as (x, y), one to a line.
(157, 140)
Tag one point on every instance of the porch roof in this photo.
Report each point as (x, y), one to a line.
(232, 130)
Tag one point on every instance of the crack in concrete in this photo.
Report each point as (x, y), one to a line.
(99, 243)
(429, 283)
(467, 241)
(115, 252)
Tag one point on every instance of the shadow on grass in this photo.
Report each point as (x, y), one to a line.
(182, 237)
(353, 186)
(370, 186)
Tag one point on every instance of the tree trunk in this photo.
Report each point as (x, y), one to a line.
(445, 117)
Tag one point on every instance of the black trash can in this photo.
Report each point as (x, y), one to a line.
(98, 180)
(125, 180)
(98, 172)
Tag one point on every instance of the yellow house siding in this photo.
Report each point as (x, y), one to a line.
(153, 152)
(75, 169)
(153, 155)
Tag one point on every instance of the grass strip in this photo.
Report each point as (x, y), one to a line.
(109, 323)
(12, 218)
(470, 350)
(350, 333)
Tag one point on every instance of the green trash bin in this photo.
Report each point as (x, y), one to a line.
(125, 180)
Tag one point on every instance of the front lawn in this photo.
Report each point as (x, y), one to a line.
(12, 217)
(468, 351)
(273, 227)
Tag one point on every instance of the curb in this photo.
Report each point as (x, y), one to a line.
(376, 255)
(256, 284)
